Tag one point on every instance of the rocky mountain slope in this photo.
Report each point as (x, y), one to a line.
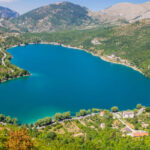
(124, 12)
(66, 16)
(54, 17)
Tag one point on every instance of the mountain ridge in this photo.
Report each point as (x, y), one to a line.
(68, 16)
(64, 15)
(7, 13)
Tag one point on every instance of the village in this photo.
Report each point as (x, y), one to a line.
(123, 121)
(133, 123)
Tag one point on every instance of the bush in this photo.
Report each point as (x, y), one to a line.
(51, 135)
(114, 109)
(147, 109)
(138, 106)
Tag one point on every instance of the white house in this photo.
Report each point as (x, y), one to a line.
(128, 114)
(102, 125)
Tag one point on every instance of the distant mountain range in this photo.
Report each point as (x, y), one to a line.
(66, 15)
(6, 13)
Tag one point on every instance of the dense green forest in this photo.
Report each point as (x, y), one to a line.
(10, 71)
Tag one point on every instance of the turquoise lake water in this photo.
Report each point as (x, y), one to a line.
(68, 80)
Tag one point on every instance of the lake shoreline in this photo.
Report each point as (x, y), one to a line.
(96, 80)
(102, 57)
(3, 81)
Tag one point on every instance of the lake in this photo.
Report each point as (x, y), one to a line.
(66, 79)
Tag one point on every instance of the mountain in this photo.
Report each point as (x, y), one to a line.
(6, 13)
(68, 16)
(58, 16)
(124, 13)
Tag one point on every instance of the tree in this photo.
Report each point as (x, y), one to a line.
(8, 119)
(147, 109)
(66, 115)
(114, 109)
(51, 135)
(14, 120)
(95, 110)
(58, 117)
(19, 140)
(77, 114)
(83, 112)
(88, 111)
(138, 106)
(44, 122)
(2, 117)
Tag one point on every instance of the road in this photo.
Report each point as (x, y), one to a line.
(75, 118)
(118, 116)
(3, 58)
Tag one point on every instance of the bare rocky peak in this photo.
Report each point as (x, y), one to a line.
(126, 11)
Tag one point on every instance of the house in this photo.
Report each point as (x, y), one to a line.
(144, 125)
(1, 128)
(2, 123)
(116, 115)
(96, 42)
(140, 133)
(128, 114)
(102, 125)
(102, 113)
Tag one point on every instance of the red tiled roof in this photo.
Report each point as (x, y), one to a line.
(1, 128)
(139, 134)
(103, 112)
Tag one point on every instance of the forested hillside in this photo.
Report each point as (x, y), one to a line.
(129, 44)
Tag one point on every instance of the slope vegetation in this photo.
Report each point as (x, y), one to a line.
(54, 17)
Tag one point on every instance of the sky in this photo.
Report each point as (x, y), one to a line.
(23, 6)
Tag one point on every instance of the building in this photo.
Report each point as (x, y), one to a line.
(2, 123)
(145, 125)
(140, 133)
(102, 125)
(128, 114)
(102, 113)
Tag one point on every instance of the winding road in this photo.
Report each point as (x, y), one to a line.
(3, 58)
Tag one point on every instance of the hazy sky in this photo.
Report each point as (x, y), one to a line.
(23, 6)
